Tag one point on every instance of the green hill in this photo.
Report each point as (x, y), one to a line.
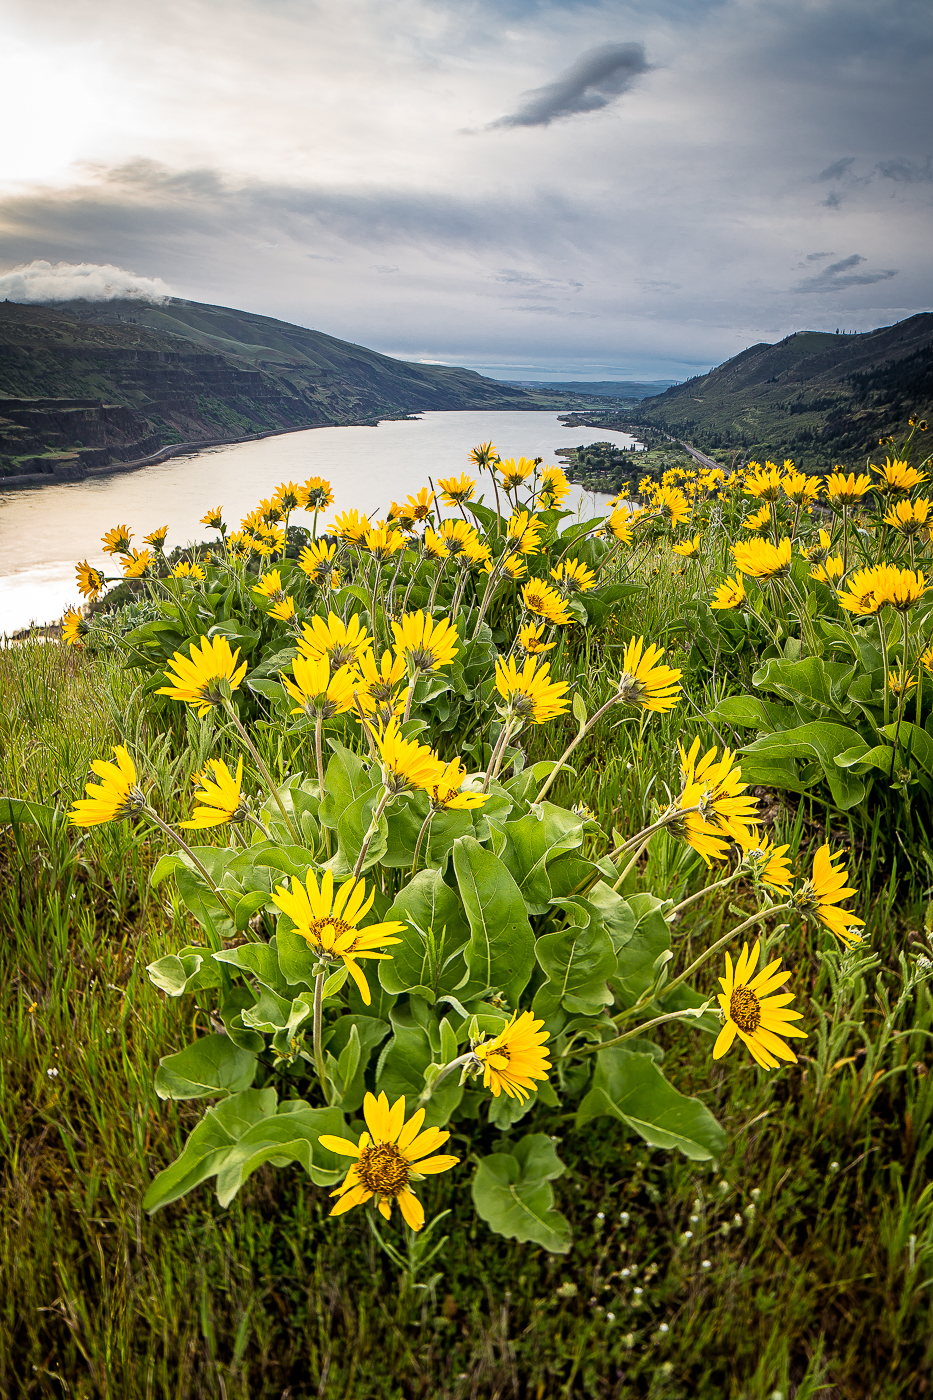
(816, 397)
(84, 385)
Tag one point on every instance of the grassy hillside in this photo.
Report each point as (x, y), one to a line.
(186, 372)
(816, 397)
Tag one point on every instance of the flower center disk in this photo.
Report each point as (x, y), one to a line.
(745, 1010)
(383, 1170)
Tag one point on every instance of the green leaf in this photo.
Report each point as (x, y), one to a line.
(577, 960)
(345, 778)
(527, 845)
(632, 1088)
(512, 1192)
(579, 709)
(212, 1066)
(816, 688)
(638, 959)
(188, 970)
(402, 1064)
(429, 958)
(912, 742)
(208, 1145)
(501, 948)
(820, 741)
(751, 712)
(22, 813)
(352, 830)
(297, 960)
(260, 960)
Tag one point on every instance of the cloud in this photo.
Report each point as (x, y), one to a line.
(817, 257)
(906, 171)
(41, 281)
(837, 169)
(840, 274)
(597, 78)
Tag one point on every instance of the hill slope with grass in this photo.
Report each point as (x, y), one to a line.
(816, 397)
(87, 384)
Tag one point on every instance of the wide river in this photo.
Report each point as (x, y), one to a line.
(45, 530)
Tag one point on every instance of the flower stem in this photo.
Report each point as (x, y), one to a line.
(156, 820)
(317, 1047)
(545, 788)
(495, 757)
(383, 802)
(454, 1064)
(421, 834)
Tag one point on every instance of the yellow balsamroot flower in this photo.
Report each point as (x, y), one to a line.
(405, 763)
(513, 565)
(771, 863)
(317, 690)
(842, 490)
(819, 553)
(618, 525)
(424, 643)
(157, 538)
(288, 497)
(485, 456)
(74, 628)
(456, 489)
(644, 683)
(447, 794)
(196, 678)
(800, 488)
(117, 540)
(114, 798)
(515, 1058)
(136, 562)
(761, 559)
(766, 483)
(529, 693)
(401, 516)
(214, 519)
(328, 922)
(863, 592)
(554, 488)
(759, 521)
(539, 598)
(389, 1156)
(477, 555)
(383, 542)
(902, 588)
(270, 585)
(270, 511)
(90, 581)
(531, 639)
(379, 681)
(284, 610)
(341, 642)
(909, 517)
(689, 549)
(573, 576)
(317, 561)
(693, 828)
(218, 793)
(822, 893)
(672, 505)
(515, 473)
(759, 1020)
(420, 505)
(722, 802)
(351, 526)
(186, 570)
(523, 533)
(315, 494)
(901, 683)
(453, 537)
(898, 476)
(829, 571)
(926, 660)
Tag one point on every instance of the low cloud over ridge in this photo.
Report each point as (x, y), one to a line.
(42, 281)
(597, 78)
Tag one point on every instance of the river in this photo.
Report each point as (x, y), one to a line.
(45, 530)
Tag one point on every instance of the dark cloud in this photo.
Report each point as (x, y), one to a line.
(597, 78)
(907, 171)
(816, 257)
(839, 275)
(837, 169)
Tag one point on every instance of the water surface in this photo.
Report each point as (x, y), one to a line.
(45, 530)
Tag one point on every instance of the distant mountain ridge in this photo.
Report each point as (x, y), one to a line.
(814, 396)
(85, 385)
(634, 389)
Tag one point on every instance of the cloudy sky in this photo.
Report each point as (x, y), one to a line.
(534, 188)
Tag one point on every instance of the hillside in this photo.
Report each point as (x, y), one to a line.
(84, 385)
(816, 397)
(601, 389)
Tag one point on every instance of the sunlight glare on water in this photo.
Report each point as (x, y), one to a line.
(44, 531)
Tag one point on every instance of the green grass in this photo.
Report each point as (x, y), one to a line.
(810, 1265)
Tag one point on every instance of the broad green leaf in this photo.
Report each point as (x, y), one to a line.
(816, 688)
(751, 712)
(345, 778)
(913, 744)
(526, 846)
(402, 1064)
(291, 1136)
(352, 830)
(212, 1066)
(430, 954)
(577, 960)
(260, 960)
(297, 959)
(188, 970)
(512, 1192)
(501, 948)
(638, 959)
(208, 1145)
(821, 741)
(632, 1088)
(22, 813)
